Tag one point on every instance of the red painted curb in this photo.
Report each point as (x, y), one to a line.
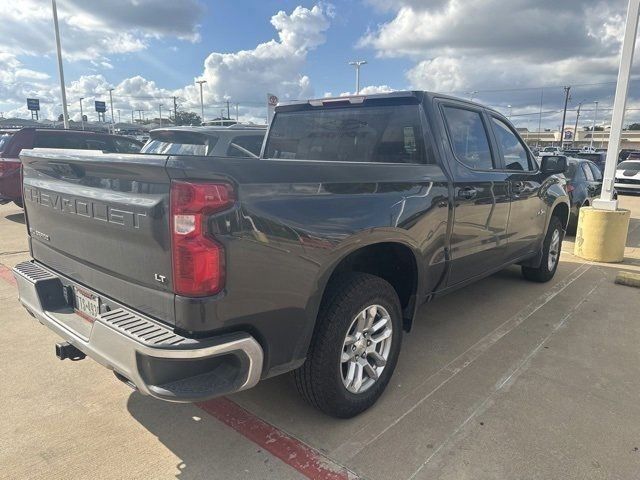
(7, 275)
(306, 460)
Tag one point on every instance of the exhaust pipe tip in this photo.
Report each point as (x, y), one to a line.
(65, 350)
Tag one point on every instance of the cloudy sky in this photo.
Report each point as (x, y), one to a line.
(517, 52)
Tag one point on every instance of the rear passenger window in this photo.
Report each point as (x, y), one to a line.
(514, 152)
(587, 172)
(126, 146)
(59, 140)
(97, 145)
(251, 143)
(468, 138)
(597, 174)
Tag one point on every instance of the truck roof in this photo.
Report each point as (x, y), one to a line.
(209, 128)
(391, 97)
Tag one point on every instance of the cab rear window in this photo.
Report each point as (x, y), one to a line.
(386, 134)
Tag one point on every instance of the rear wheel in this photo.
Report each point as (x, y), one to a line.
(551, 248)
(355, 347)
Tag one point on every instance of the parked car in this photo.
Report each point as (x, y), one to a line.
(628, 177)
(599, 158)
(552, 150)
(12, 142)
(206, 276)
(624, 154)
(233, 141)
(584, 183)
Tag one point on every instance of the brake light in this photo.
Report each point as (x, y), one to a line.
(9, 165)
(198, 260)
(570, 188)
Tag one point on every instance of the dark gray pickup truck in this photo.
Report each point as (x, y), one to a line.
(194, 276)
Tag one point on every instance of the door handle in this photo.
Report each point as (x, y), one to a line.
(467, 193)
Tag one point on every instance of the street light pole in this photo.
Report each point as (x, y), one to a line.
(63, 93)
(160, 111)
(593, 128)
(201, 99)
(111, 102)
(606, 201)
(81, 115)
(540, 117)
(564, 115)
(575, 129)
(358, 64)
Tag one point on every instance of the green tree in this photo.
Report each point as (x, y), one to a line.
(187, 118)
(634, 126)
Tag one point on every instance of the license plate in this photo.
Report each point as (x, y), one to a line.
(87, 304)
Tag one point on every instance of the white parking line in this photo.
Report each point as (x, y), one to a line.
(350, 449)
(515, 372)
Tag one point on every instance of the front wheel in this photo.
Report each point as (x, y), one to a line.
(355, 346)
(551, 248)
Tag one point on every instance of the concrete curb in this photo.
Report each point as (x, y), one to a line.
(629, 279)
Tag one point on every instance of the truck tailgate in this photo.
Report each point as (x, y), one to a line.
(102, 219)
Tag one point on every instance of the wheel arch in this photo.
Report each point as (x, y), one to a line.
(393, 261)
(561, 210)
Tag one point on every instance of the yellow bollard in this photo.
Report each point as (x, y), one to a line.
(602, 234)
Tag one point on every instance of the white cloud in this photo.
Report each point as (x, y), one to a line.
(96, 29)
(273, 66)
(370, 90)
(467, 45)
(245, 76)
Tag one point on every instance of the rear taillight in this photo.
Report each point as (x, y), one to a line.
(570, 188)
(198, 260)
(9, 165)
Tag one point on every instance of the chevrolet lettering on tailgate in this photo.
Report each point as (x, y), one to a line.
(84, 208)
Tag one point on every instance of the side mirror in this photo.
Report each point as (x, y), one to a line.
(553, 164)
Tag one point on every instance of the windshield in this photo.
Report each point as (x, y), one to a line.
(390, 134)
(158, 146)
(628, 165)
(4, 139)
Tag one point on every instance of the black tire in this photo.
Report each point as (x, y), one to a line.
(545, 272)
(319, 380)
(572, 227)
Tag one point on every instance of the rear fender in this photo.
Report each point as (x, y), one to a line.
(351, 245)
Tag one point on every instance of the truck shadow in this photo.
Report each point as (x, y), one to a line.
(205, 448)
(16, 217)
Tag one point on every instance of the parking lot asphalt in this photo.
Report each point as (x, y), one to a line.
(502, 379)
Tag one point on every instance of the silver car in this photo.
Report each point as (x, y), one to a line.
(232, 141)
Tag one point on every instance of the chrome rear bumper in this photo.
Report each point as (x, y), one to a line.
(144, 351)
